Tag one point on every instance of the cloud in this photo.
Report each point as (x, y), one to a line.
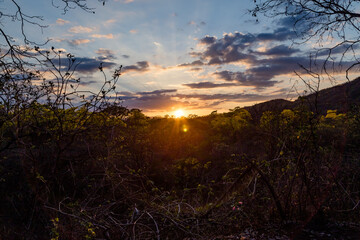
(141, 66)
(154, 100)
(124, 95)
(133, 31)
(81, 29)
(109, 22)
(157, 92)
(228, 49)
(125, 56)
(244, 79)
(208, 85)
(91, 65)
(279, 34)
(338, 49)
(193, 64)
(76, 42)
(84, 64)
(60, 21)
(196, 69)
(263, 71)
(108, 36)
(87, 83)
(168, 99)
(300, 23)
(197, 25)
(279, 50)
(239, 47)
(261, 66)
(105, 54)
(208, 40)
(239, 97)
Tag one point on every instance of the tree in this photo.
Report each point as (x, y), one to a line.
(31, 75)
(322, 21)
(43, 114)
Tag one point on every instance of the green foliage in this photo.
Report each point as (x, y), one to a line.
(95, 170)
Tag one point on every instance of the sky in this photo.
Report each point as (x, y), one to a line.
(198, 56)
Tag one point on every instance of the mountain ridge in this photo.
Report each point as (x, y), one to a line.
(340, 97)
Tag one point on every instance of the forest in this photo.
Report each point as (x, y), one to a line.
(78, 164)
(118, 174)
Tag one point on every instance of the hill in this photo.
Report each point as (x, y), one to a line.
(340, 97)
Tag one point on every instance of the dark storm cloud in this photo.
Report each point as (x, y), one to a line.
(139, 67)
(208, 85)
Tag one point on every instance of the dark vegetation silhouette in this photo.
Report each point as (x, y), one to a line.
(77, 165)
(321, 21)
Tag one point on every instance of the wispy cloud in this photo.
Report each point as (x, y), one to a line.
(168, 99)
(60, 21)
(108, 36)
(109, 22)
(157, 92)
(76, 42)
(192, 64)
(81, 29)
(208, 85)
(105, 54)
(154, 100)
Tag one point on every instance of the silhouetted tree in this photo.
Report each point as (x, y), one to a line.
(321, 21)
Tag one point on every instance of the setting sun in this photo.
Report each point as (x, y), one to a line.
(179, 113)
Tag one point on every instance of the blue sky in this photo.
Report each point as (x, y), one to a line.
(196, 55)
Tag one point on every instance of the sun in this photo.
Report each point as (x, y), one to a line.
(179, 113)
